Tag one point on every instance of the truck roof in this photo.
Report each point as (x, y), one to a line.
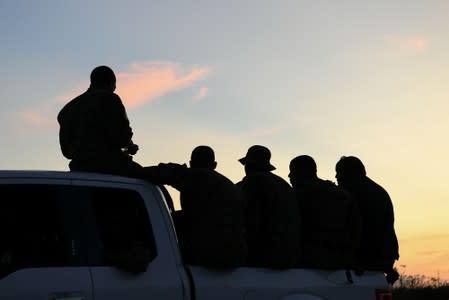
(50, 174)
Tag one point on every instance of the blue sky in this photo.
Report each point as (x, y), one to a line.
(324, 78)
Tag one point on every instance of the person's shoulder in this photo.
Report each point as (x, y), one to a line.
(116, 99)
(101, 93)
(72, 105)
(271, 181)
(106, 94)
(279, 179)
(377, 190)
(326, 185)
(223, 177)
(332, 188)
(208, 173)
(108, 99)
(372, 185)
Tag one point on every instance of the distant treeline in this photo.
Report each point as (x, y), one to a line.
(419, 281)
(414, 287)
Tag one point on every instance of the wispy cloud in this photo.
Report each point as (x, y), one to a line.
(34, 121)
(146, 81)
(140, 83)
(201, 94)
(398, 45)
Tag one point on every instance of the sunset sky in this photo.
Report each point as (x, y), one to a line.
(323, 78)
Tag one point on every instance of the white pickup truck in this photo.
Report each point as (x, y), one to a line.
(53, 247)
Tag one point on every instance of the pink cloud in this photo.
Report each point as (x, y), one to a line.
(34, 121)
(201, 93)
(148, 80)
(141, 83)
(405, 45)
(145, 81)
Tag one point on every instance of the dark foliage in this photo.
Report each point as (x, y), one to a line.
(421, 293)
(420, 287)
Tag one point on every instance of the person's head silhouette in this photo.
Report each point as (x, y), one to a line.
(302, 169)
(102, 77)
(203, 157)
(257, 159)
(349, 169)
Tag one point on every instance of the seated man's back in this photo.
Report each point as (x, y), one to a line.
(212, 218)
(94, 129)
(331, 223)
(271, 221)
(271, 213)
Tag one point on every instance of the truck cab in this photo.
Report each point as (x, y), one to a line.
(78, 236)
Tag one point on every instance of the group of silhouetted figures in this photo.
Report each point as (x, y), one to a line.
(262, 221)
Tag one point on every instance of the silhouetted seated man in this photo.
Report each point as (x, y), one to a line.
(202, 157)
(95, 133)
(271, 213)
(331, 223)
(94, 129)
(213, 225)
(379, 245)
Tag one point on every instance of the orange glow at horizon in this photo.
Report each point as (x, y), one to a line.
(425, 255)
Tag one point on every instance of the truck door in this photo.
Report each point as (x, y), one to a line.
(39, 257)
(131, 265)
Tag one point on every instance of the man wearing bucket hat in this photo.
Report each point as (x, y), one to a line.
(271, 213)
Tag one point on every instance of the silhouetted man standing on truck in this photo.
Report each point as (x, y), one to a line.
(379, 247)
(94, 129)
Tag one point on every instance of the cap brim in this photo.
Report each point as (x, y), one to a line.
(268, 167)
